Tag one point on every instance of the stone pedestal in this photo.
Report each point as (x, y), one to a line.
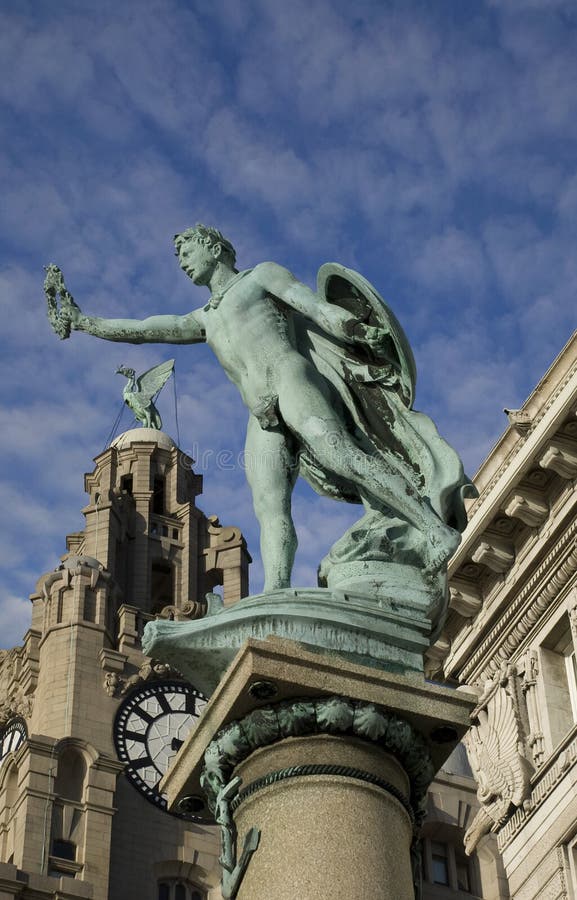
(326, 834)
(316, 770)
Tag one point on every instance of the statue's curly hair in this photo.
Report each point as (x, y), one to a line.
(205, 234)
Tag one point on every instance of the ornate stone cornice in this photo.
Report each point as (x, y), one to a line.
(516, 620)
(520, 443)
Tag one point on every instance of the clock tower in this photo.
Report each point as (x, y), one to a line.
(88, 725)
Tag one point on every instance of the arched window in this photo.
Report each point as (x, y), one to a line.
(8, 798)
(68, 814)
(178, 889)
(12, 786)
(69, 783)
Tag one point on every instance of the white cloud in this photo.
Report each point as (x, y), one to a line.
(434, 153)
(14, 620)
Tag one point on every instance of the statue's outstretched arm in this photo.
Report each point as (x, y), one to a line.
(69, 317)
(281, 283)
(153, 330)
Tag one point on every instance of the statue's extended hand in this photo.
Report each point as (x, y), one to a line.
(66, 317)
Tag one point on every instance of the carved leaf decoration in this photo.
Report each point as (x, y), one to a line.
(153, 380)
(371, 722)
(297, 717)
(233, 743)
(335, 714)
(261, 727)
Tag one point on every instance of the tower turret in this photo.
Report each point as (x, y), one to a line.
(66, 811)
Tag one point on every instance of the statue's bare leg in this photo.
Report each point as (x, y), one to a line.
(271, 470)
(309, 413)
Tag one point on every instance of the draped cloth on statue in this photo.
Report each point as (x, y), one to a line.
(375, 390)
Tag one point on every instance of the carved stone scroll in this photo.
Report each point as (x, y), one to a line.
(496, 746)
(528, 506)
(465, 598)
(560, 457)
(496, 554)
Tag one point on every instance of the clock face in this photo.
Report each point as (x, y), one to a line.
(149, 730)
(12, 736)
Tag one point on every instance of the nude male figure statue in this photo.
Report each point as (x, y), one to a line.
(249, 323)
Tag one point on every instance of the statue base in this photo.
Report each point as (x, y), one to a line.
(385, 632)
(316, 770)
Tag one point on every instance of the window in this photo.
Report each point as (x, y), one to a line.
(126, 484)
(444, 862)
(463, 867)
(62, 860)
(158, 496)
(64, 849)
(440, 863)
(89, 613)
(571, 849)
(559, 681)
(8, 798)
(70, 777)
(571, 663)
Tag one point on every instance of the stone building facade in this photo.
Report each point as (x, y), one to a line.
(70, 824)
(511, 635)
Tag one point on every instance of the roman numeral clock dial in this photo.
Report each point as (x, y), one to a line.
(11, 737)
(150, 728)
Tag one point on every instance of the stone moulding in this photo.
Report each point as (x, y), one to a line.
(513, 453)
(527, 608)
(321, 715)
(387, 634)
(316, 769)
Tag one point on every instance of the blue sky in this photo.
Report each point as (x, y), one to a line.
(430, 145)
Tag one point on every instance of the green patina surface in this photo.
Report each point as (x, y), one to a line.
(328, 378)
(140, 393)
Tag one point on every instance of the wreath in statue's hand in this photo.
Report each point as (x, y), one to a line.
(61, 318)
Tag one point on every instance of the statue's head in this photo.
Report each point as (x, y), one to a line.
(207, 237)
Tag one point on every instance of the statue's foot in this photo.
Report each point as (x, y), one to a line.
(441, 544)
(276, 584)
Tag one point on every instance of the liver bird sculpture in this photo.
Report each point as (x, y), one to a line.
(497, 753)
(140, 393)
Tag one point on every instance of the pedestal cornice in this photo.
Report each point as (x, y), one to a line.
(294, 672)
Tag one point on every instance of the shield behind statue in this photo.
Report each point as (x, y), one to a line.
(348, 289)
